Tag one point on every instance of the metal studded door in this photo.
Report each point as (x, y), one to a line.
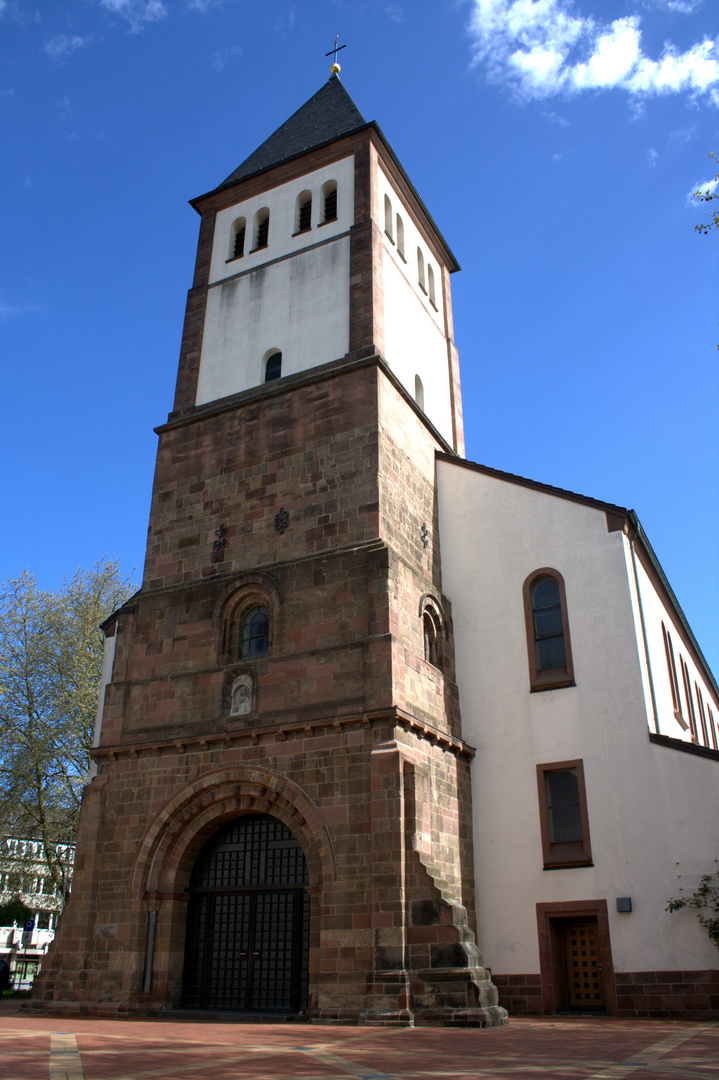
(585, 986)
(248, 921)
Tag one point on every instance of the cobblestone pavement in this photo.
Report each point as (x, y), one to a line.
(32, 1048)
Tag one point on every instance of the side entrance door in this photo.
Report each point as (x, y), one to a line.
(585, 985)
(248, 921)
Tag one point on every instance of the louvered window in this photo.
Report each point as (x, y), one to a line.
(330, 213)
(305, 216)
(239, 246)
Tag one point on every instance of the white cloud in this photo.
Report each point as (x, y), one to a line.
(61, 46)
(202, 5)
(396, 14)
(652, 156)
(221, 59)
(136, 12)
(545, 47)
(702, 187)
(8, 311)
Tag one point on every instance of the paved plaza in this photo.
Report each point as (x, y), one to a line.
(38, 1048)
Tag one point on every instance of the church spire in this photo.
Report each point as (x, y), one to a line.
(329, 114)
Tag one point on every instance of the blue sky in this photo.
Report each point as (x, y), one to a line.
(556, 145)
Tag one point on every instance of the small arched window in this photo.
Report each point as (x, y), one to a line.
(255, 633)
(419, 392)
(430, 286)
(329, 201)
(303, 212)
(400, 236)
(430, 639)
(273, 366)
(388, 217)
(434, 629)
(237, 239)
(420, 270)
(548, 644)
(262, 228)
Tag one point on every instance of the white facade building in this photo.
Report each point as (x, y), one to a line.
(627, 718)
(24, 875)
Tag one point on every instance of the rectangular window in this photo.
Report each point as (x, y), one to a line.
(563, 815)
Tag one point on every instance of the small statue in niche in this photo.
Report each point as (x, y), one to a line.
(241, 703)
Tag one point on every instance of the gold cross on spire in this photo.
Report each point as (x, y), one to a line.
(335, 69)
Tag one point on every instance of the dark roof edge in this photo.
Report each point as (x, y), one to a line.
(686, 747)
(370, 124)
(641, 536)
(535, 485)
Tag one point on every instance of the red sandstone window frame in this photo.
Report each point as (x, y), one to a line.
(548, 678)
(558, 856)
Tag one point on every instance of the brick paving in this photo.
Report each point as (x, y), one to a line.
(68, 1048)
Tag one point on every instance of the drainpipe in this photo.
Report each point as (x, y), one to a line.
(153, 907)
(632, 537)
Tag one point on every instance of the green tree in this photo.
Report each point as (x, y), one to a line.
(51, 650)
(708, 194)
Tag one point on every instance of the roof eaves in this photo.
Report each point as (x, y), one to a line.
(671, 596)
(535, 485)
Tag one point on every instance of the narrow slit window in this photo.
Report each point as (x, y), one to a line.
(672, 671)
(430, 286)
(419, 392)
(702, 714)
(712, 728)
(388, 217)
(420, 270)
(691, 715)
(262, 229)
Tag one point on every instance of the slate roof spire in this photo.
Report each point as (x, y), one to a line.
(328, 115)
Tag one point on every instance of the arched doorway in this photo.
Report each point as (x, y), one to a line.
(248, 920)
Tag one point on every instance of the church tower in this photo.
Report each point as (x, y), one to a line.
(281, 816)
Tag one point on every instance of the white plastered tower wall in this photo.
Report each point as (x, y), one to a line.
(415, 324)
(652, 810)
(291, 296)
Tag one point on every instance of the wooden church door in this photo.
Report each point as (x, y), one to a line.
(585, 985)
(248, 921)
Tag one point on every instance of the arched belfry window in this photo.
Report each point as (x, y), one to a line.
(303, 212)
(262, 228)
(237, 239)
(329, 201)
(429, 628)
(272, 365)
(547, 624)
(420, 270)
(388, 217)
(400, 236)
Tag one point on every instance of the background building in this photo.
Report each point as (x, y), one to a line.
(24, 876)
